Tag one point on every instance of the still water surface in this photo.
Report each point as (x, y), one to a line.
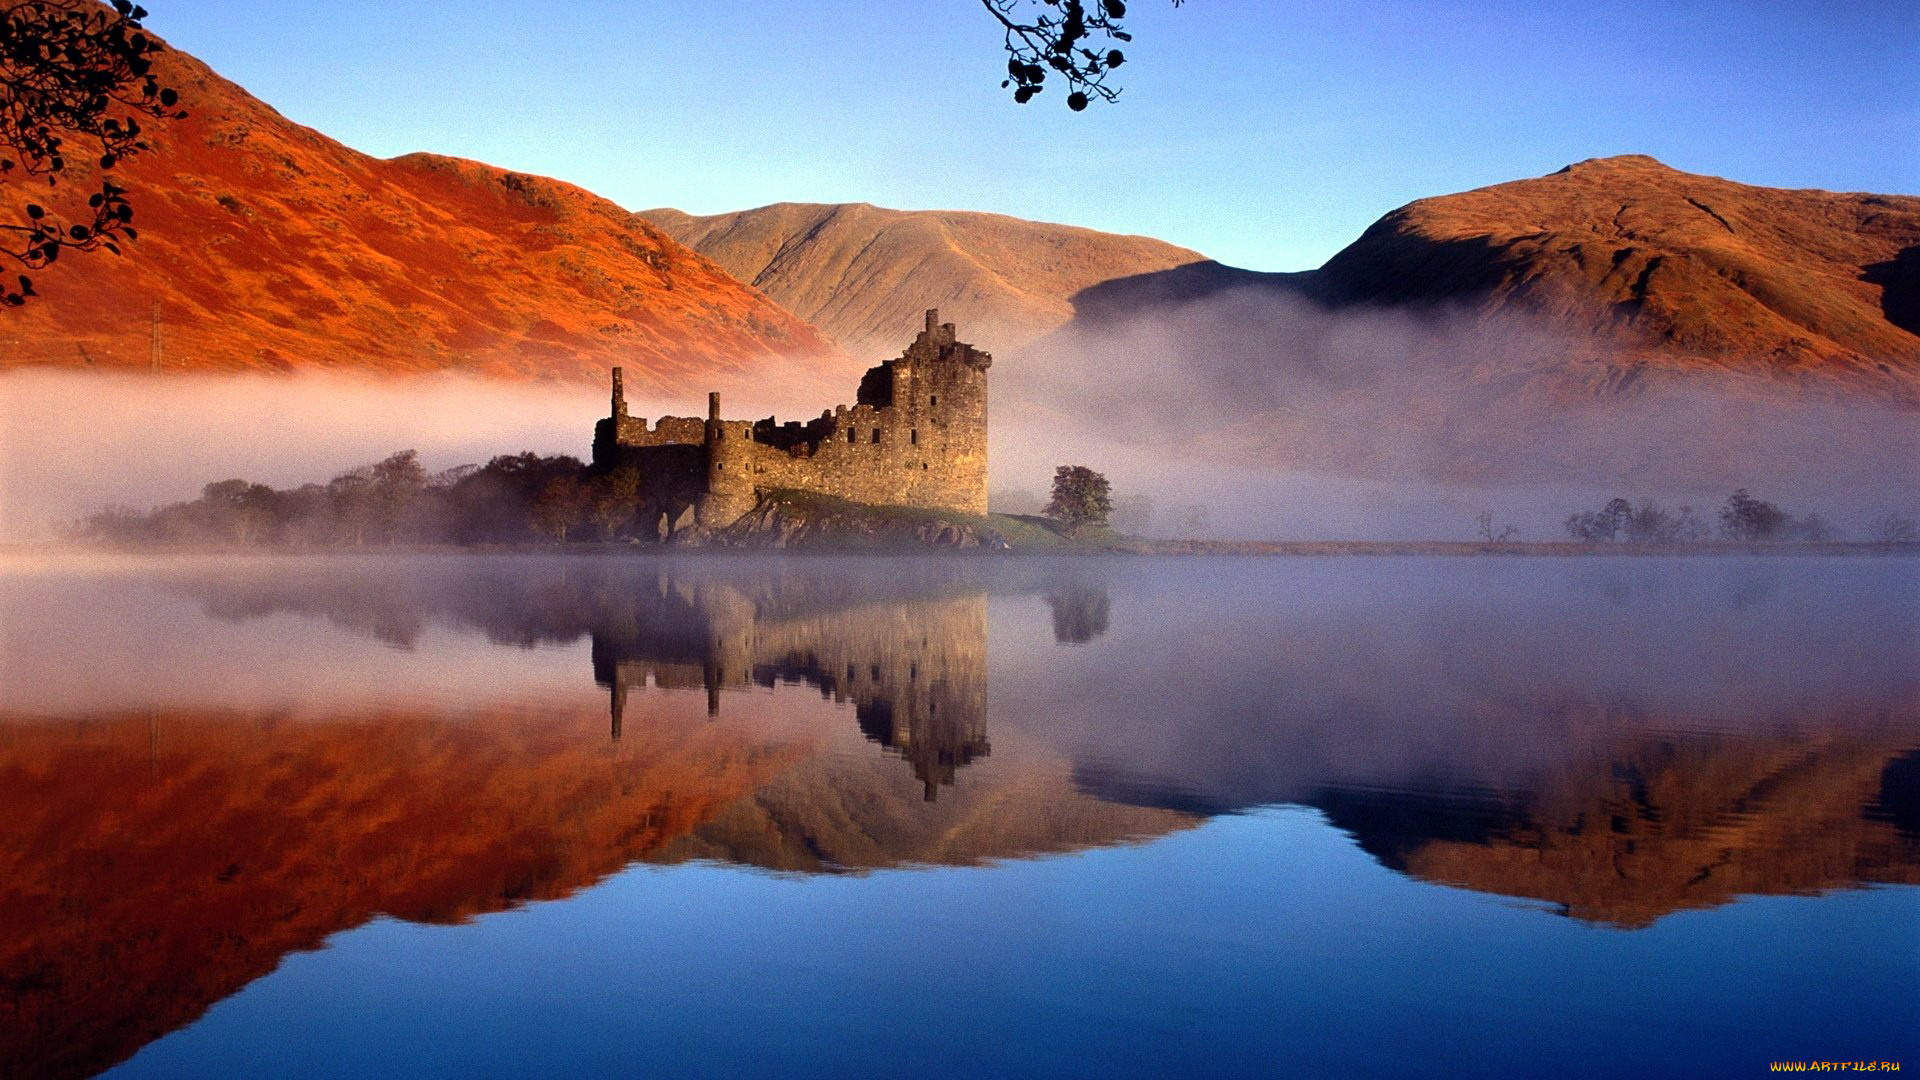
(466, 816)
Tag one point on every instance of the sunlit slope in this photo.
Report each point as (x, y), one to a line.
(864, 273)
(1616, 322)
(269, 247)
(1681, 269)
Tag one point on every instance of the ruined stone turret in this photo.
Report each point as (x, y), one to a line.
(916, 435)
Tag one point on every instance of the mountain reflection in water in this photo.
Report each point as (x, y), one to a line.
(200, 773)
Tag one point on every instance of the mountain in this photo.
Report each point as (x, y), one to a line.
(270, 247)
(1673, 265)
(861, 272)
(1624, 262)
(1617, 322)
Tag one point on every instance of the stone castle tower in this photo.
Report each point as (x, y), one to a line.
(916, 435)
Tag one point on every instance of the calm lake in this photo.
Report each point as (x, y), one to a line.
(514, 816)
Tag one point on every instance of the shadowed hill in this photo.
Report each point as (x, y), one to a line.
(861, 272)
(269, 246)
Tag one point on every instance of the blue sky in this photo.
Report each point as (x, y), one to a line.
(1265, 134)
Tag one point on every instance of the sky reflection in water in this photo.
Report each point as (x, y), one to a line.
(1157, 816)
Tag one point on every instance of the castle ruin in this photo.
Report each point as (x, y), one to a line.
(916, 435)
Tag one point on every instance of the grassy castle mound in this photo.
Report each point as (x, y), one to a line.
(803, 519)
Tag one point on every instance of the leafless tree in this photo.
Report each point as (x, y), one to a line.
(1489, 532)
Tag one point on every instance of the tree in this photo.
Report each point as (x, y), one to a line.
(1074, 39)
(1650, 523)
(397, 483)
(1744, 517)
(1489, 533)
(1080, 613)
(1814, 528)
(1894, 528)
(71, 70)
(1195, 522)
(615, 495)
(1604, 525)
(237, 510)
(1081, 497)
(351, 503)
(1134, 515)
(560, 507)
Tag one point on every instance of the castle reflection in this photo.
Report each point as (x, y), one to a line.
(915, 671)
(200, 774)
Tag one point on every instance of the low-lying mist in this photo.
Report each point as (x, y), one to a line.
(75, 443)
(1247, 414)
(1285, 418)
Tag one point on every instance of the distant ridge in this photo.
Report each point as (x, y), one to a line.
(860, 272)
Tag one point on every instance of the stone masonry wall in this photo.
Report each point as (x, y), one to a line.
(917, 437)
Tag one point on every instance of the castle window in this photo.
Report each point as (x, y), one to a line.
(853, 434)
(933, 399)
(913, 436)
(923, 466)
(876, 435)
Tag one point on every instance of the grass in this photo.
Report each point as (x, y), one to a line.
(1024, 532)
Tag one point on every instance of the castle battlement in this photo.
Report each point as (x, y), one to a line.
(916, 435)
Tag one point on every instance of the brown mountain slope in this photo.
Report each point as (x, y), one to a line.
(1616, 322)
(272, 247)
(862, 272)
(1675, 265)
(1604, 266)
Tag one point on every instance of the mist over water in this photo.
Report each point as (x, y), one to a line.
(1274, 416)
(1299, 421)
(74, 443)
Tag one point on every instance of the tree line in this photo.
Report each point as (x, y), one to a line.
(1743, 517)
(512, 499)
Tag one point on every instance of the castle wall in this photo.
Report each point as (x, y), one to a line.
(917, 436)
